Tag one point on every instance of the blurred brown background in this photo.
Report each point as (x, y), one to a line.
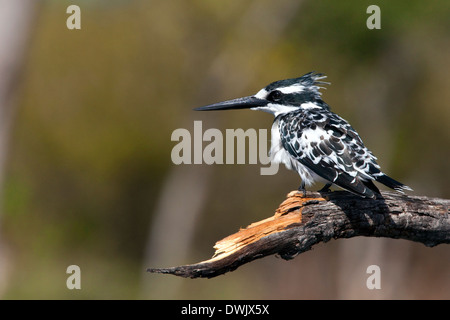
(87, 117)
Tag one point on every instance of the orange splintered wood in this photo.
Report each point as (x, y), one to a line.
(289, 212)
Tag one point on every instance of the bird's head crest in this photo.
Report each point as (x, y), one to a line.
(308, 82)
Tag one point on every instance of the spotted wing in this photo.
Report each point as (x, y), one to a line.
(331, 148)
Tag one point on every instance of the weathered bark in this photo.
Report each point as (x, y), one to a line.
(300, 223)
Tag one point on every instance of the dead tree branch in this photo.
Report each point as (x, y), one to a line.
(300, 223)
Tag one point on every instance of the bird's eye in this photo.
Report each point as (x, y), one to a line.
(275, 96)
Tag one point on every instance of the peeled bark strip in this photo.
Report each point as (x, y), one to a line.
(300, 223)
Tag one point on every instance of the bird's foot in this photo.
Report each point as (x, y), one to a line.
(302, 190)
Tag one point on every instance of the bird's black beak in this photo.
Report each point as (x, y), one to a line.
(240, 103)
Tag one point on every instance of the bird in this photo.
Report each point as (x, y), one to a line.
(307, 137)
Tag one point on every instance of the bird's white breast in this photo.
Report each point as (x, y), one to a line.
(279, 155)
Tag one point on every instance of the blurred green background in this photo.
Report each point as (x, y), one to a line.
(90, 181)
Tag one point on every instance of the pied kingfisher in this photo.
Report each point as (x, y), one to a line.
(310, 139)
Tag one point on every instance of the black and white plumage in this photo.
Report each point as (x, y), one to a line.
(310, 139)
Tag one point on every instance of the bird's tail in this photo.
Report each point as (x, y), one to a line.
(391, 183)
